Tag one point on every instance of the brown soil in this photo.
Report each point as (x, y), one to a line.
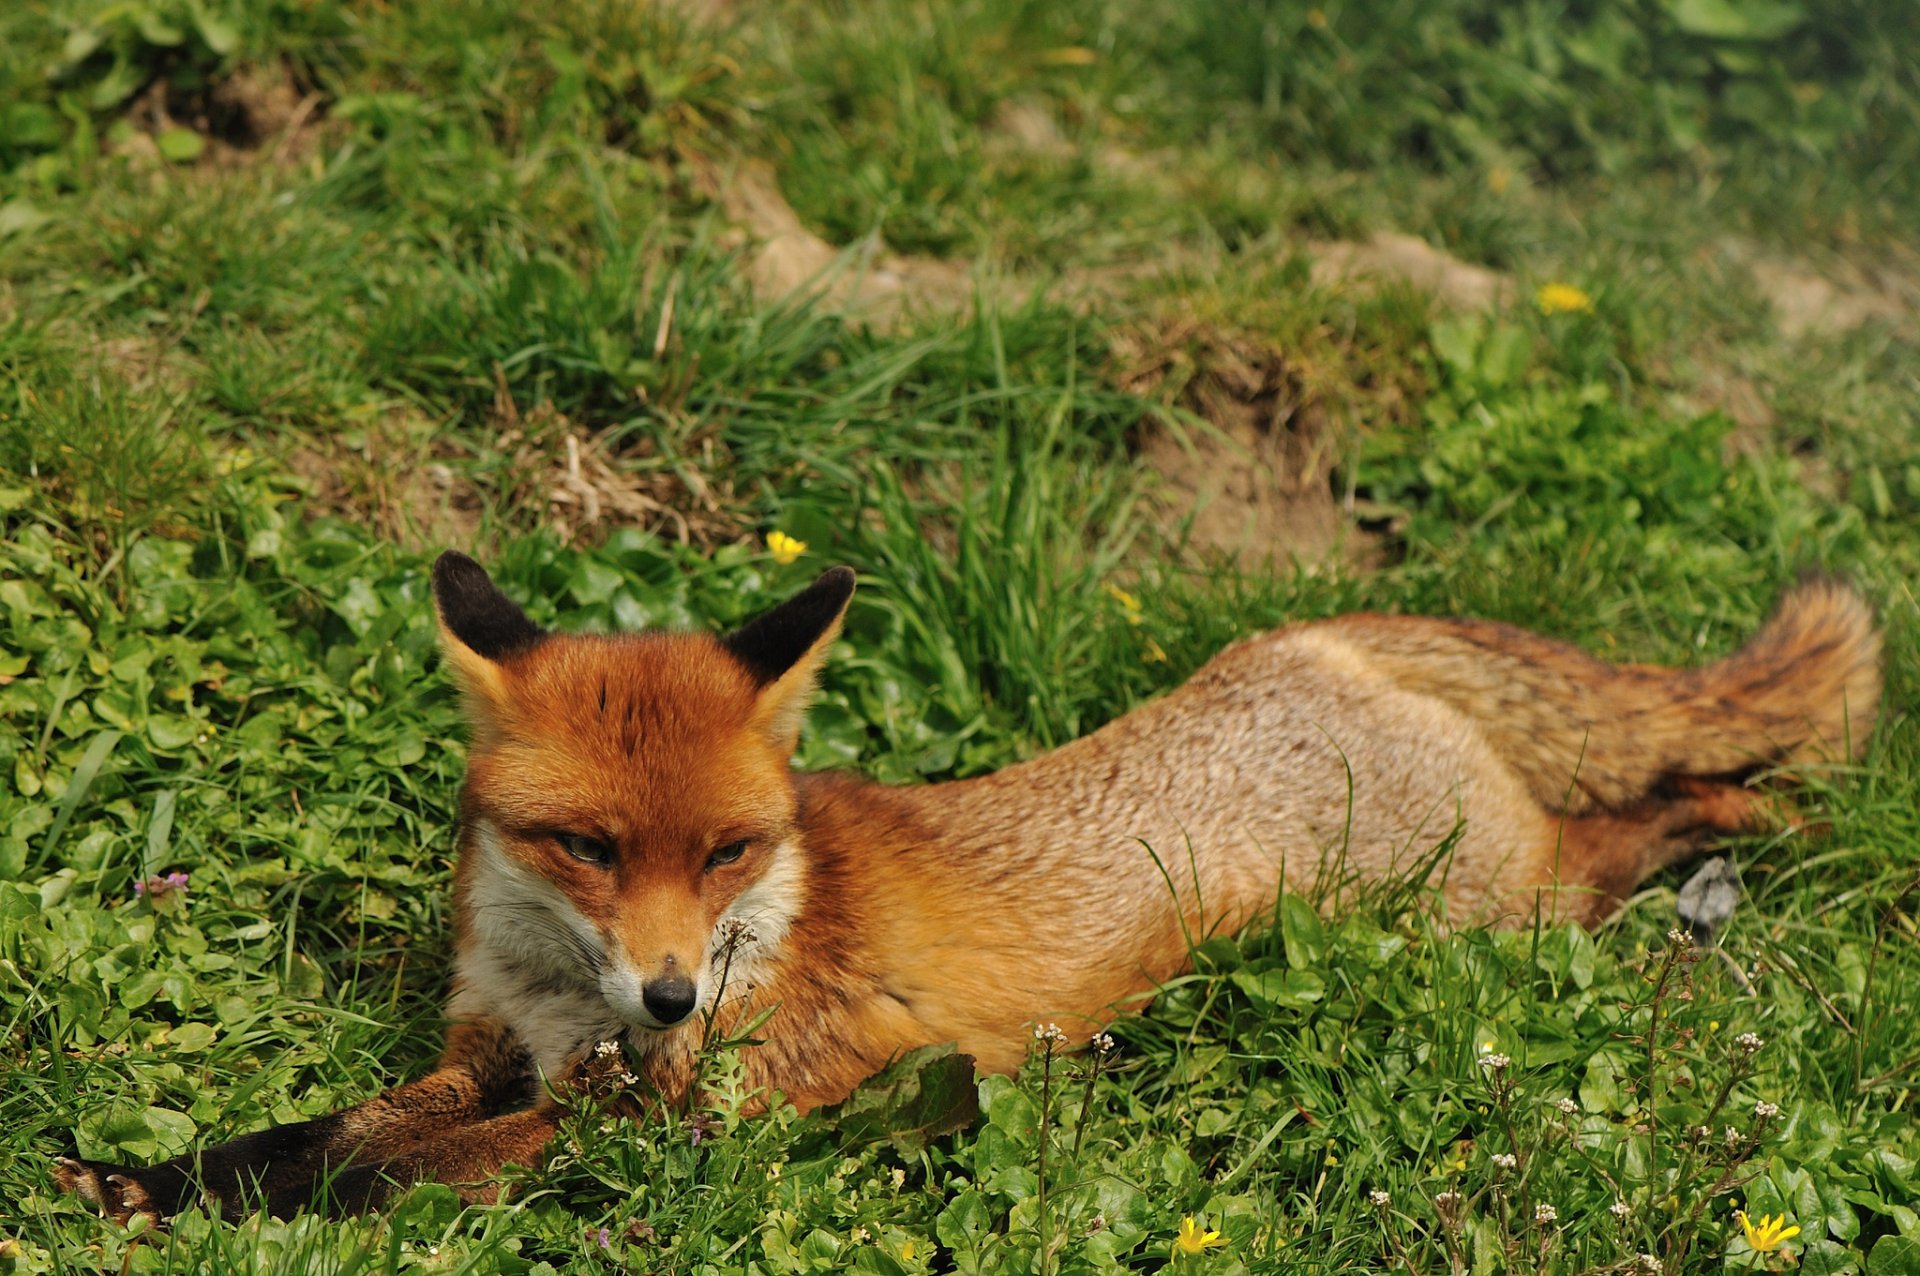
(1836, 294)
(868, 280)
(1246, 454)
(1389, 257)
(425, 486)
(239, 117)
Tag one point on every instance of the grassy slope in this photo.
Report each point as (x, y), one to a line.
(203, 671)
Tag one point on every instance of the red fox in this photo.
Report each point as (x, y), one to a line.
(630, 823)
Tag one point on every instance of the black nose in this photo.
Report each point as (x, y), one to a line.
(670, 999)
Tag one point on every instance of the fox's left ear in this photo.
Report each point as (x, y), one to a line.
(783, 649)
(479, 628)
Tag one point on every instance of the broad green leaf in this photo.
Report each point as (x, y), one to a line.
(1894, 1256)
(1736, 19)
(180, 145)
(1824, 1258)
(922, 1095)
(1280, 989)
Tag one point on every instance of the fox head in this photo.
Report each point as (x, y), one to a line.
(629, 806)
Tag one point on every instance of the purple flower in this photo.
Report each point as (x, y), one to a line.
(606, 1241)
(157, 887)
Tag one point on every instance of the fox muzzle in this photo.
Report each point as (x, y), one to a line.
(670, 998)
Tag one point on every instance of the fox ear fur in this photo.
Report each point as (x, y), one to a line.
(479, 627)
(783, 649)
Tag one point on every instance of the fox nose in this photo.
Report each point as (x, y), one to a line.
(668, 999)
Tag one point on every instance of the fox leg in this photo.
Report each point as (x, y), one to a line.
(1604, 857)
(468, 1157)
(483, 1070)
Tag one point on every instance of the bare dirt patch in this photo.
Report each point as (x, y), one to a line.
(254, 110)
(1247, 470)
(789, 260)
(1834, 295)
(425, 485)
(1246, 465)
(1390, 257)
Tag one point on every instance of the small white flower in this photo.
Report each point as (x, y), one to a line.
(1567, 1107)
(1379, 1199)
(1495, 1062)
(1545, 1213)
(1679, 938)
(1733, 1137)
(1766, 1111)
(1102, 1043)
(1620, 1210)
(1648, 1265)
(1505, 1160)
(607, 1049)
(857, 1235)
(1749, 1042)
(1049, 1033)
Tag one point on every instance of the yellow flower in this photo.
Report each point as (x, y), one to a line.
(1769, 1234)
(1153, 654)
(1499, 178)
(1317, 19)
(1128, 603)
(906, 1251)
(1556, 299)
(1193, 1239)
(784, 548)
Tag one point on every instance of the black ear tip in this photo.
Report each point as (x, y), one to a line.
(837, 581)
(773, 642)
(473, 607)
(454, 571)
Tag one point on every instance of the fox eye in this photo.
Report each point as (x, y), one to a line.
(727, 854)
(586, 848)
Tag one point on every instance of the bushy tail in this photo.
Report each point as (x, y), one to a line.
(1588, 735)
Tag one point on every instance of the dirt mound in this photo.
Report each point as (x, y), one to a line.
(237, 117)
(1833, 294)
(423, 485)
(868, 279)
(1391, 257)
(1247, 462)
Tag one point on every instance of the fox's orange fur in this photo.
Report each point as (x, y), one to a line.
(631, 824)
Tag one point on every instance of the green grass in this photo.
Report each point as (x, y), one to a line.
(499, 230)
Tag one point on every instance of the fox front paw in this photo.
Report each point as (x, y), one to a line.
(115, 1191)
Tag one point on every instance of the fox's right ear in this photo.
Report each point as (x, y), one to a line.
(479, 627)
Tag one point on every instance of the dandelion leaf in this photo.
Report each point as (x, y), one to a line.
(917, 1098)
